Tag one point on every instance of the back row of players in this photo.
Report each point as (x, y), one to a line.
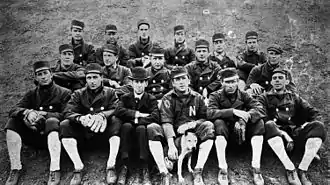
(159, 95)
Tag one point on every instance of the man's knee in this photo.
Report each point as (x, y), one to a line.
(317, 129)
(141, 129)
(221, 128)
(205, 131)
(155, 132)
(65, 129)
(52, 124)
(127, 127)
(258, 128)
(271, 130)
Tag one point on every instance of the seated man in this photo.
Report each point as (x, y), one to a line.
(203, 72)
(136, 110)
(159, 81)
(294, 119)
(90, 113)
(66, 73)
(35, 121)
(112, 37)
(181, 109)
(236, 112)
(114, 74)
(180, 54)
(261, 75)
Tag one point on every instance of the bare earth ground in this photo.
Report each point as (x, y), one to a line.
(32, 29)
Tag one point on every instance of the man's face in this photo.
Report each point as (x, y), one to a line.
(219, 45)
(273, 57)
(143, 31)
(202, 54)
(139, 86)
(77, 34)
(279, 81)
(94, 80)
(252, 44)
(109, 58)
(111, 36)
(179, 37)
(230, 84)
(157, 61)
(66, 58)
(43, 77)
(181, 82)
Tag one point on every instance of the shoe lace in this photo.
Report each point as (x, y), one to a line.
(52, 176)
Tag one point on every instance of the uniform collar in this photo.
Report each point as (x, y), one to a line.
(76, 45)
(138, 96)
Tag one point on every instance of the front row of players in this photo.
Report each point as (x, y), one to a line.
(47, 117)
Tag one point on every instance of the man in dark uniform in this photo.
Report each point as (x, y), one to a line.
(90, 113)
(66, 73)
(111, 37)
(290, 117)
(251, 57)
(180, 54)
(219, 54)
(203, 72)
(233, 110)
(159, 81)
(136, 110)
(261, 75)
(114, 74)
(181, 109)
(140, 50)
(35, 121)
(83, 52)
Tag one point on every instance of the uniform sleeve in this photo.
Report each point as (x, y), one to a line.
(21, 106)
(167, 57)
(98, 56)
(262, 99)
(192, 55)
(72, 108)
(132, 51)
(166, 110)
(254, 108)
(127, 73)
(253, 76)
(243, 65)
(214, 109)
(154, 113)
(124, 56)
(306, 112)
(215, 81)
(124, 113)
(69, 75)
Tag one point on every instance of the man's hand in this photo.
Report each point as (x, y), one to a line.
(114, 83)
(85, 120)
(172, 150)
(289, 140)
(138, 114)
(242, 114)
(239, 129)
(98, 123)
(205, 93)
(256, 88)
(145, 60)
(42, 113)
(32, 116)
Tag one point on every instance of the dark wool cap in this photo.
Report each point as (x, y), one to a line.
(65, 47)
(178, 28)
(41, 65)
(143, 21)
(110, 48)
(201, 43)
(276, 48)
(111, 27)
(228, 72)
(157, 49)
(93, 68)
(218, 36)
(139, 73)
(178, 71)
(280, 70)
(77, 24)
(251, 35)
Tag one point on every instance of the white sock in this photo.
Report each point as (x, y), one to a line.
(70, 145)
(220, 146)
(114, 142)
(276, 143)
(14, 145)
(54, 147)
(256, 143)
(156, 150)
(203, 153)
(311, 147)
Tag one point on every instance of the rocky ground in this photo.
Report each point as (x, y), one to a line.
(33, 29)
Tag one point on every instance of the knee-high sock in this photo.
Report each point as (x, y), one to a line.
(220, 146)
(54, 147)
(276, 143)
(70, 145)
(256, 143)
(14, 145)
(311, 147)
(114, 142)
(156, 150)
(203, 153)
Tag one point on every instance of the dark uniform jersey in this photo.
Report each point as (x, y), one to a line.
(204, 75)
(225, 62)
(83, 53)
(72, 77)
(51, 100)
(181, 56)
(159, 82)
